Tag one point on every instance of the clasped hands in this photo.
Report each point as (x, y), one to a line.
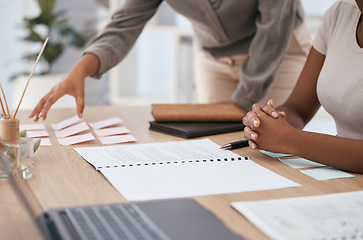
(267, 129)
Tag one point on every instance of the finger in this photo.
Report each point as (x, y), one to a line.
(282, 114)
(36, 118)
(252, 120)
(252, 144)
(250, 134)
(80, 104)
(268, 108)
(51, 100)
(256, 107)
(38, 108)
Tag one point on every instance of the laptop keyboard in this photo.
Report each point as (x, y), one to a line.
(124, 221)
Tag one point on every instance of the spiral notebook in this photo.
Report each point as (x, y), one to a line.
(179, 169)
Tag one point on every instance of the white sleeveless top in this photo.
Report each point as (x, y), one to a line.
(340, 84)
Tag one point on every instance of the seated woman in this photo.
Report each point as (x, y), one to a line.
(332, 77)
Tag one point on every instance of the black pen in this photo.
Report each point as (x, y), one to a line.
(234, 145)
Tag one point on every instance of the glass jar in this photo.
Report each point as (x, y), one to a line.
(17, 152)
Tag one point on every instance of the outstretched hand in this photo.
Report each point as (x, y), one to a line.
(72, 84)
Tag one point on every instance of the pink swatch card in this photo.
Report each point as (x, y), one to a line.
(45, 142)
(80, 127)
(32, 126)
(111, 131)
(66, 123)
(117, 139)
(105, 123)
(37, 133)
(76, 139)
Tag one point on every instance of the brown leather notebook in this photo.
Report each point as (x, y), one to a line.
(196, 129)
(215, 112)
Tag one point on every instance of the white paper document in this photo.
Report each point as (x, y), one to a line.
(179, 169)
(193, 179)
(148, 153)
(332, 216)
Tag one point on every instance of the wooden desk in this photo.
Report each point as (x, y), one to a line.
(63, 179)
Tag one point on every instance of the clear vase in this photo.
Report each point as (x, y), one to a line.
(17, 153)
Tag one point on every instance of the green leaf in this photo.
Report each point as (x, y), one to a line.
(56, 26)
(47, 6)
(75, 39)
(33, 37)
(52, 52)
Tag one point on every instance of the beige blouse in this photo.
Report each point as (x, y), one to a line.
(340, 85)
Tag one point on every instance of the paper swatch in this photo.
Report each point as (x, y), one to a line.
(76, 139)
(105, 123)
(111, 131)
(66, 123)
(326, 173)
(37, 133)
(45, 142)
(80, 127)
(301, 163)
(117, 139)
(275, 155)
(33, 126)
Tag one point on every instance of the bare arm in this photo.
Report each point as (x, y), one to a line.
(273, 132)
(277, 135)
(72, 84)
(303, 102)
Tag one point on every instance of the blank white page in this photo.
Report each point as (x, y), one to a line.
(177, 180)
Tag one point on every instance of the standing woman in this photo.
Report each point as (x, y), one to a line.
(245, 50)
(332, 77)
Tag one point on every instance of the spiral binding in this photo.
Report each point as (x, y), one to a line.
(182, 161)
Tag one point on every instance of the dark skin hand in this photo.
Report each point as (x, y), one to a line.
(279, 130)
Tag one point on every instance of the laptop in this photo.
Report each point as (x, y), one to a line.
(165, 219)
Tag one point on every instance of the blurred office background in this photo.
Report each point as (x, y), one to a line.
(158, 69)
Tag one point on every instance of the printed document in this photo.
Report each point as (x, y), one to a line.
(179, 169)
(332, 216)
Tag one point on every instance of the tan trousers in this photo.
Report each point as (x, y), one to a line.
(217, 79)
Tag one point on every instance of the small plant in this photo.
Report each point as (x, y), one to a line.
(54, 25)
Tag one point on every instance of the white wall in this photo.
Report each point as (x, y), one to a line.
(11, 48)
(84, 15)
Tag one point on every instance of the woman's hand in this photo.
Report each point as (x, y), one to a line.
(72, 84)
(261, 124)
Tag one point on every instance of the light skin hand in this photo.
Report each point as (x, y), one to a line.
(72, 84)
